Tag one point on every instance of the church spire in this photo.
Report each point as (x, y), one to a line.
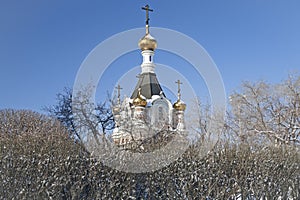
(147, 42)
(147, 79)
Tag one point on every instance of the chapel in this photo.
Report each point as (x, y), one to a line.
(147, 112)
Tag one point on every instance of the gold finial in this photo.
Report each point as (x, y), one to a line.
(179, 105)
(179, 90)
(147, 8)
(119, 93)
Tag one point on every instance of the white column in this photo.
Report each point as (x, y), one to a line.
(180, 120)
(140, 128)
(148, 64)
(139, 113)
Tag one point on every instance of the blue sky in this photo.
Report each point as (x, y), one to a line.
(43, 43)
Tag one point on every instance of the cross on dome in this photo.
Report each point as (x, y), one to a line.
(119, 93)
(147, 8)
(179, 90)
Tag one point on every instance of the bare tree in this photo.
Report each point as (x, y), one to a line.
(101, 114)
(267, 111)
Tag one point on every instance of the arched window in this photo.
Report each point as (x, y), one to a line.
(160, 114)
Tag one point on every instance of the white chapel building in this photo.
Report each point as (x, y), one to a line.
(148, 111)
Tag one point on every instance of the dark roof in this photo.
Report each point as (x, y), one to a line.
(149, 86)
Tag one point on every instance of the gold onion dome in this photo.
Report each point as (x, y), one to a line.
(147, 42)
(140, 100)
(179, 105)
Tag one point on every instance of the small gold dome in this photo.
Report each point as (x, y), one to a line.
(179, 105)
(139, 100)
(147, 43)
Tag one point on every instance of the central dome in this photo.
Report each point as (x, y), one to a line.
(147, 43)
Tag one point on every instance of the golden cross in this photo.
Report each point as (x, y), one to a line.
(179, 83)
(147, 13)
(119, 93)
